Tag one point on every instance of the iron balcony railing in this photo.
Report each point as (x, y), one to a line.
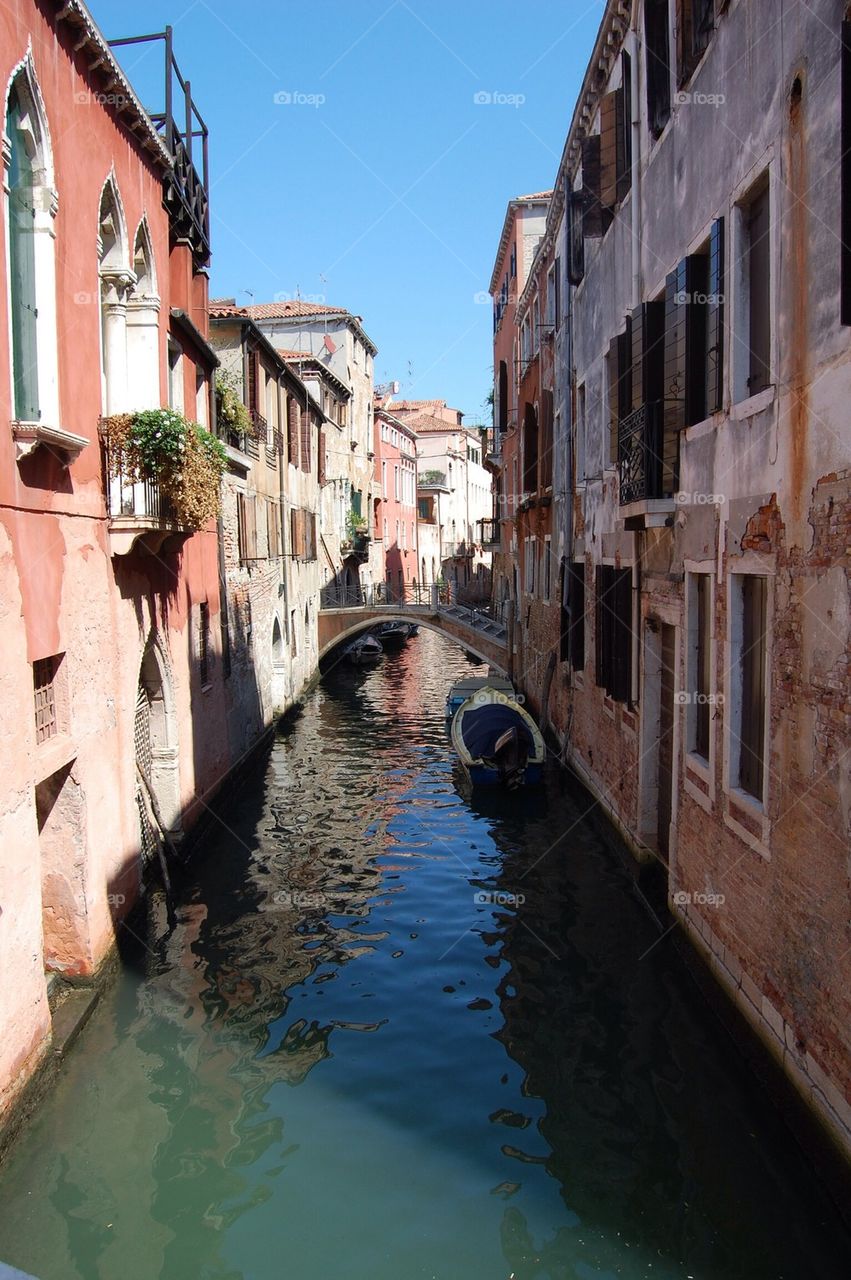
(489, 533)
(139, 499)
(640, 454)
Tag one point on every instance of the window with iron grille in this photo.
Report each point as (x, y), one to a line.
(749, 666)
(45, 697)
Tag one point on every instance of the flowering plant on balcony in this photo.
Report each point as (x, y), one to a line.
(231, 411)
(162, 446)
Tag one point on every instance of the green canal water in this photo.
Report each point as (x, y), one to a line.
(357, 1057)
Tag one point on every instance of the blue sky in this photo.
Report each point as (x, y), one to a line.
(350, 160)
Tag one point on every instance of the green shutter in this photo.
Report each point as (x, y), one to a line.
(22, 263)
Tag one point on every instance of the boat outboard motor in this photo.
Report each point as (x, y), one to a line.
(510, 754)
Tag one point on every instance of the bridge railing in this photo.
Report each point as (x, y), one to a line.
(376, 594)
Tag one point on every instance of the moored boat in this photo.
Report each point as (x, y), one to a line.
(363, 650)
(498, 742)
(392, 634)
(468, 686)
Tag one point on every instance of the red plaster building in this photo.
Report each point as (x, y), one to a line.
(109, 609)
(395, 489)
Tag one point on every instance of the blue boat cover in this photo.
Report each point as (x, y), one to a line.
(481, 728)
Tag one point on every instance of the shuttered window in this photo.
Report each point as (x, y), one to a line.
(714, 377)
(624, 129)
(22, 268)
(609, 152)
(616, 145)
(306, 425)
(530, 450)
(246, 514)
(546, 450)
(658, 64)
(572, 640)
(752, 659)
(758, 267)
(613, 618)
(695, 21)
(322, 466)
(593, 223)
(293, 430)
(576, 237)
(303, 534)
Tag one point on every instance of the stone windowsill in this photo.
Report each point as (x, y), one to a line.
(53, 754)
(753, 405)
(29, 435)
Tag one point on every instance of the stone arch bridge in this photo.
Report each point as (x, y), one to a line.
(473, 629)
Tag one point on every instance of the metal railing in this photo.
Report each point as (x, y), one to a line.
(640, 454)
(340, 595)
(139, 499)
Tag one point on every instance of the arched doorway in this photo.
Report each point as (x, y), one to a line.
(155, 748)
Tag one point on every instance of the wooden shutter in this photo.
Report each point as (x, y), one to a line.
(686, 60)
(592, 223)
(253, 375)
(636, 372)
(546, 447)
(715, 321)
(240, 525)
(703, 672)
(576, 237)
(658, 62)
(322, 457)
(609, 150)
(623, 126)
(293, 430)
(306, 427)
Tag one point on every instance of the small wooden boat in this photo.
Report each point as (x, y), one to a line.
(465, 688)
(392, 635)
(364, 650)
(498, 742)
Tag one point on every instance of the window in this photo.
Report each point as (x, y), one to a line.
(525, 344)
(529, 567)
(758, 284)
(273, 529)
(575, 237)
(397, 491)
(293, 640)
(175, 376)
(572, 647)
(302, 534)
(46, 697)
(31, 207)
(246, 520)
(546, 570)
(658, 68)
(204, 644)
(614, 631)
(699, 664)
(695, 24)
(749, 678)
(383, 478)
(615, 170)
(530, 449)
(579, 446)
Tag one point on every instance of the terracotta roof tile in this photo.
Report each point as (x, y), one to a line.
(536, 195)
(220, 307)
(294, 307)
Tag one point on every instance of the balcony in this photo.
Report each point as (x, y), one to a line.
(455, 550)
(489, 534)
(646, 495)
(185, 136)
(356, 544)
(140, 517)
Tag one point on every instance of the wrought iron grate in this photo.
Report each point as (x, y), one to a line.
(44, 693)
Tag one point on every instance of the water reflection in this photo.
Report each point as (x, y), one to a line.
(400, 1031)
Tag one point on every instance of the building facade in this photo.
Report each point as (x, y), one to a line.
(333, 339)
(700, 682)
(395, 514)
(270, 523)
(110, 617)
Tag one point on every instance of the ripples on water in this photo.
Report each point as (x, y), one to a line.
(347, 1063)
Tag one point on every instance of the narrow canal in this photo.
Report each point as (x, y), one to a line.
(356, 1058)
